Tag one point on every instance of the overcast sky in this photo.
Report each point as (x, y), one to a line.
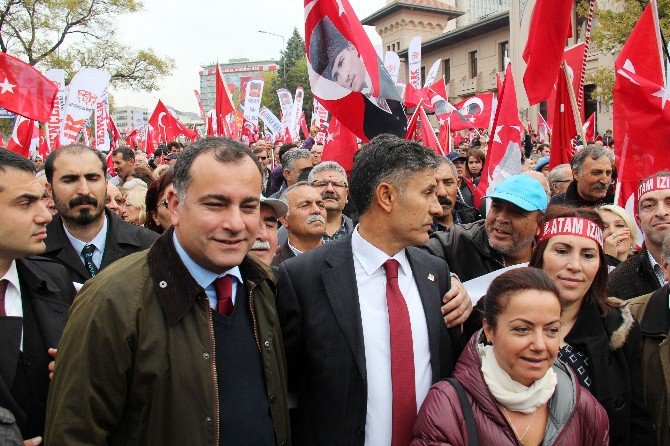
(204, 31)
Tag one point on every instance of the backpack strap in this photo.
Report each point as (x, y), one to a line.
(468, 415)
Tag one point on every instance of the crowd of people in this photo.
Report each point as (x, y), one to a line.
(224, 294)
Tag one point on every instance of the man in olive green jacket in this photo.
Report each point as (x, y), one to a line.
(652, 311)
(180, 344)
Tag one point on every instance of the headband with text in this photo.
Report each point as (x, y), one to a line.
(580, 227)
(652, 184)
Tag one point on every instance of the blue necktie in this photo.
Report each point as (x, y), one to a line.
(87, 252)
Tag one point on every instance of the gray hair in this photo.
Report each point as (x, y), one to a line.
(325, 167)
(554, 174)
(444, 160)
(225, 151)
(290, 157)
(289, 189)
(593, 151)
(666, 249)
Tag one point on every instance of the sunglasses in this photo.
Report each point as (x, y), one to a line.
(262, 158)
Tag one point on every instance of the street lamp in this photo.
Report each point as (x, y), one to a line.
(282, 45)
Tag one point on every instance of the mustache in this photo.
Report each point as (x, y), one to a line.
(330, 195)
(315, 218)
(601, 186)
(445, 201)
(261, 245)
(78, 201)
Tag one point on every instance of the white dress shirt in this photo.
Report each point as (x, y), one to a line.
(99, 241)
(371, 283)
(13, 304)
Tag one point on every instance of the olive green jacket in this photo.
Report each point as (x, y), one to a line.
(653, 314)
(136, 363)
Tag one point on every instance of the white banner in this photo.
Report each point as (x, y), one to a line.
(252, 101)
(85, 90)
(272, 123)
(414, 62)
(286, 104)
(101, 135)
(392, 64)
(296, 112)
(319, 113)
(432, 74)
(56, 76)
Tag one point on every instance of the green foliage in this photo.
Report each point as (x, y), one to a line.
(294, 51)
(69, 34)
(6, 127)
(603, 78)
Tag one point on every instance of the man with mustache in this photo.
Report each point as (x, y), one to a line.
(305, 221)
(643, 273)
(506, 237)
(330, 179)
(453, 211)
(85, 236)
(266, 244)
(592, 174)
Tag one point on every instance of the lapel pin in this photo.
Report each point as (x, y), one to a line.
(431, 277)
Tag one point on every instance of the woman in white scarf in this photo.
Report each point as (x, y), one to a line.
(516, 391)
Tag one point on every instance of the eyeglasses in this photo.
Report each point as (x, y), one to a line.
(325, 183)
(262, 158)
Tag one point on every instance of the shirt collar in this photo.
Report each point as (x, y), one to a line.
(295, 250)
(99, 241)
(12, 275)
(372, 258)
(202, 276)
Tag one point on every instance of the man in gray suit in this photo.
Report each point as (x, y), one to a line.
(354, 309)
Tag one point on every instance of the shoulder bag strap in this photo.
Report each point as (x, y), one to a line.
(473, 439)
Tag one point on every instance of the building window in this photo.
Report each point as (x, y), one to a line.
(503, 51)
(447, 70)
(473, 64)
(388, 47)
(423, 75)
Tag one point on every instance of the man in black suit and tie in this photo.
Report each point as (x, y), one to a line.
(361, 320)
(35, 296)
(84, 236)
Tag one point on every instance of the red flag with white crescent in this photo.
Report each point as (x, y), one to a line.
(477, 111)
(590, 129)
(341, 145)
(22, 136)
(24, 90)
(564, 126)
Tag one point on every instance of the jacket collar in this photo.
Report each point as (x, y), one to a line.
(656, 321)
(177, 290)
(572, 195)
(481, 241)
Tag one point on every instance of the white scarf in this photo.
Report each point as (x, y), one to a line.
(511, 394)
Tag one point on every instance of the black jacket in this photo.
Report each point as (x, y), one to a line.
(466, 250)
(45, 285)
(613, 344)
(321, 321)
(572, 198)
(284, 253)
(633, 277)
(123, 238)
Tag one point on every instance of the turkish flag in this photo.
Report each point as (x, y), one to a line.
(426, 96)
(504, 155)
(643, 52)
(131, 139)
(574, 57)
(210, 126)
(564, 127)
(420, 129)
(110, 164)
(149, 145)
(361, 95)
(24, 90)
(224, 105)
(477, 110)
(590, 129)
(22, 136)
(114, 133)
(550, 27)
(543, 128)
(165, 126)
(303, 125)
(341, 145)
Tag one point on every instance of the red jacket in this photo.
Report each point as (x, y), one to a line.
(575, 418)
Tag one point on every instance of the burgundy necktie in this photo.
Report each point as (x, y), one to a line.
(402, 359)
(224, 294)
(3, 288)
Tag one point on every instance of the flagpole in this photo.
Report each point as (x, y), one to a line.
(573, 102)
(587, 43)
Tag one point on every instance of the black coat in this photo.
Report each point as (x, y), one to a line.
(614, 346)
(45, 285)
(123, 238)
(320, 314)
(572, 198)
(633, 277)
(284, 253)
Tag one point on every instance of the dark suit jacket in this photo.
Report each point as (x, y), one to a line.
(633, 277)
(319, 310)
(45, 283)
(284, 253)
(123, 238)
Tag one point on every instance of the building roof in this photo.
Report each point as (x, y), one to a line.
(485, 24)
(434, 6)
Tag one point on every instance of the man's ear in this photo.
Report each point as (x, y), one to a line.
(173, 206)
(50, 189)
(284, 221)
(386, 196)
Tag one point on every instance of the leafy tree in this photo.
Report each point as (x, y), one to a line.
(70, 34)
(294, 51)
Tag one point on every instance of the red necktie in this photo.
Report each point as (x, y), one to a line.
(402, 359)
(224, 294)
(3, 289)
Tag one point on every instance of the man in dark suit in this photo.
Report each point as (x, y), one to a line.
(34, 296)
(84, 236)
(305, 221)
(357, 308)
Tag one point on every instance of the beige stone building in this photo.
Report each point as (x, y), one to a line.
(474, 47)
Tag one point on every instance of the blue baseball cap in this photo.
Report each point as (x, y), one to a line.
(522, 191)
(541, 163)
(453, 156)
